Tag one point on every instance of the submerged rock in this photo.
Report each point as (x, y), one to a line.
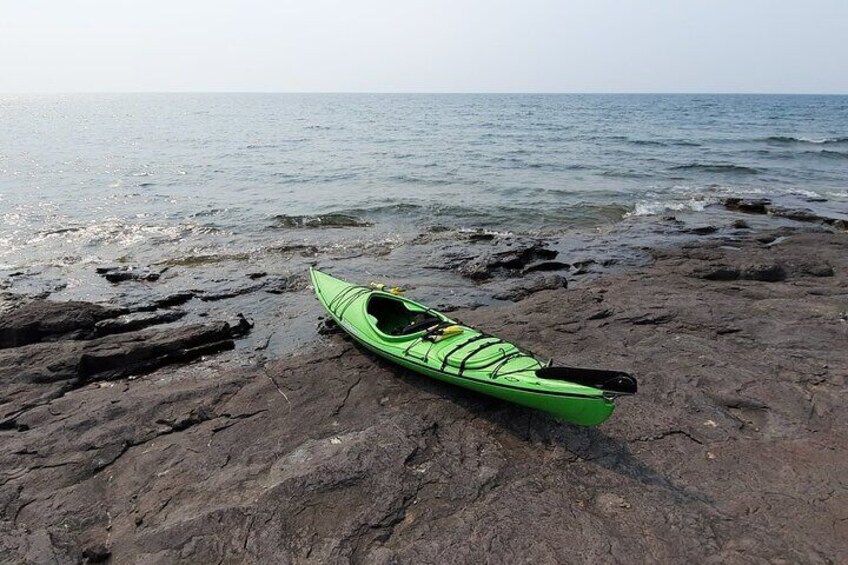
(764, 206)
(121, 274)
(749, 205)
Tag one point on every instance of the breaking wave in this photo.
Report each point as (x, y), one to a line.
(333, 220)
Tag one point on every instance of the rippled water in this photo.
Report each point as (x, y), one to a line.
(147, 178)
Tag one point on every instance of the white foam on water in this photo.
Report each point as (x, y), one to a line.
(656, 207)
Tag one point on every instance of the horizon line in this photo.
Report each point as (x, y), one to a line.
(428, 92)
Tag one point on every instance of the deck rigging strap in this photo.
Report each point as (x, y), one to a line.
(476, 351)
(346, 303)
(331, 305)
(460, 346)
(514, 355)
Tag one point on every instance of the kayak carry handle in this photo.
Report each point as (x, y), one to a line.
(613, 382)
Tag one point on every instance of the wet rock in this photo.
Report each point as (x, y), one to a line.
(748, 205)
(169, 301)
(281, 284)
(241, 326)
(478, 236)
(120, 274)
(531, 285)
(545, 266)
(272, 284)
(44, 320)
(764, 206)
(741, 225)
(701, 230)
(136, 321)
(257, 275)
(226, 290)
(507, 260)
(797, 214)
(840, 224)
(583, 266)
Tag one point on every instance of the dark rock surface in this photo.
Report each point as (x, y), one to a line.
(764, 206)
(735, 450)
(272, 284)
(481, 256)
(701, 230)
(37, 373)
(136, 321)
(42, 320)
(749, 205)
(530, 285)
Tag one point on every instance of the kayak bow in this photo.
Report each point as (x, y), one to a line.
(428, 342)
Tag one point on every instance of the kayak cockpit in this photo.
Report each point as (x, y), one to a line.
(396, 317)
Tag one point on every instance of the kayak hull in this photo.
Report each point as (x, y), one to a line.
(471, 359)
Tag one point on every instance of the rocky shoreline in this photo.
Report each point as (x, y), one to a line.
(128, 437)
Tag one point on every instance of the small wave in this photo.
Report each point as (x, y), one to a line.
(59, 231)
(818, 141)
(399, 208)
(625, 174)
(683, 143)
(207, 213)
(333, 220)
(648, 142)
(828, 154)
(413, 179)
(300, 178)
(717, 168)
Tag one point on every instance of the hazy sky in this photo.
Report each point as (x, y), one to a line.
(424, 45)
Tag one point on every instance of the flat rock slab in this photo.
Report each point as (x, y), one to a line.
(734, 450)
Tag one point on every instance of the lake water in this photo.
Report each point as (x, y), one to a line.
(148, 176)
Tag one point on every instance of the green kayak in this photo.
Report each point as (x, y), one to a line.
(430, 343)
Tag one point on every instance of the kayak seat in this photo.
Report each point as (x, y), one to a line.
(392, 317)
